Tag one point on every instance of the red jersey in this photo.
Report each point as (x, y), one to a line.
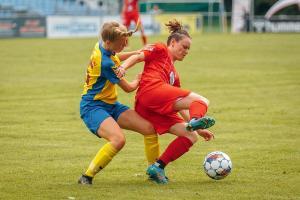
(158, 69)
(159, 89)
(130, 6)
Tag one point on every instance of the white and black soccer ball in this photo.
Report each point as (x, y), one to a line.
(217, 165)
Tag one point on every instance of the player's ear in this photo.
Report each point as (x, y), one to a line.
(107, 42)
(173, 42)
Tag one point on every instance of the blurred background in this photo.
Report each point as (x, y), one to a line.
(83, 18)
(244, 59)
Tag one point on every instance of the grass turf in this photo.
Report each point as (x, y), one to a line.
(252, 82)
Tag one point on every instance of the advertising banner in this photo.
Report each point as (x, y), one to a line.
(149, 24)
(155, 23)
(23, 27)
(8, 27)
(70, 26)
(189, 21)
(276, 26)
(31, 27)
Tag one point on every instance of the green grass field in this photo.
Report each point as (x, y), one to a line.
(252, 82)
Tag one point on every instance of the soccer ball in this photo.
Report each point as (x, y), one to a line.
(217, 165)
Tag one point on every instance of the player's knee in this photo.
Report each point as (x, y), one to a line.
(118, 142)
(193, 137)
(197, 97)
(149, 129)
(203, 99)
(206, 101)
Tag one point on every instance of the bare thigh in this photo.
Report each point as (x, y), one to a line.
(131, 120)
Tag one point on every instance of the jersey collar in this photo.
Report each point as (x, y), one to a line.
(105, 52)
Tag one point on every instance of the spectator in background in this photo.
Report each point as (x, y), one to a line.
(130, 12)
(246, 21)
(155, 10)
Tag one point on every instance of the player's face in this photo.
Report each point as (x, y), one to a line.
(181, 48)
(120, 44)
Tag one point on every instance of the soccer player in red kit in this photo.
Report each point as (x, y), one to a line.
(130, 12)
(159, 98)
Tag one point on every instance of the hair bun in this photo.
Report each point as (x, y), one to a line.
(174, 26)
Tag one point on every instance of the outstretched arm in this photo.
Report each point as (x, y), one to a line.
(124, 55)
(132, 60)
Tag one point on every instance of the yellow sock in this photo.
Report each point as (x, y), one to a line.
(102, 158)
(151, 148)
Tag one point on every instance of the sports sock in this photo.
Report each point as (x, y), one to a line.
(102, 158)
(197, 109)
(176, 148)
(151, 148)
(160, 164)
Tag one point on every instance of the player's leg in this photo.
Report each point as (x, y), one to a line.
(143, 35)
(136, 17)
(179, 146)
(101, 124)
(126, 20)
(131, 120)
(197, 106)
(175, 149)
(110, 131)
(167, 98)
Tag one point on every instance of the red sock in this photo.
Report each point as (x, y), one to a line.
(197, 109)
(176, 148)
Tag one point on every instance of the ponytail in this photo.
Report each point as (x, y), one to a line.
(113, 30)
(176, 31)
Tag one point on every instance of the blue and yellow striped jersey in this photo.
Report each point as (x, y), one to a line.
(100, 77)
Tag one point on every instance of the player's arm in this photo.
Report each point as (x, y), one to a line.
(124, 55)
(131, 61)
(129, 86)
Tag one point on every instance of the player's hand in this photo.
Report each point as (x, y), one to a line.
(120, 71)
(206, 134)
(147, 47)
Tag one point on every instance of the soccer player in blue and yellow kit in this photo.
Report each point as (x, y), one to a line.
(99, 109)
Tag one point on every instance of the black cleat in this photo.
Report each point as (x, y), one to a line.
(85, 180)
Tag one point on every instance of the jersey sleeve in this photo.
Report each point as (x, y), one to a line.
(158, 50)
(108, 72)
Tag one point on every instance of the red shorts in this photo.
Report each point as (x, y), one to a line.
(128, 17)
(157, 106)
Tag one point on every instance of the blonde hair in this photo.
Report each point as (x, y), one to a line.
(176, 31)
(112, 31)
